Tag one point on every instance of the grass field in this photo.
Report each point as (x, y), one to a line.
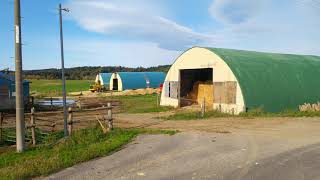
(140, 104)
(54, 87)
(183, 115)
(50, 157)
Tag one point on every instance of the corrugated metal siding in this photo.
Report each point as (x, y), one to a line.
(26, 90)
(138, 80)
(106, 78)
(9, 81)
(275, 82)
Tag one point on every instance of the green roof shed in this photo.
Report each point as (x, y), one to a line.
(274, 82)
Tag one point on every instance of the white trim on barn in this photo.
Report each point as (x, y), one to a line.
(201, 58)
(99, 78)
(115, 76)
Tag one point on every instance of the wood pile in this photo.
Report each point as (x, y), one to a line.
(202, 90)
(307, 107)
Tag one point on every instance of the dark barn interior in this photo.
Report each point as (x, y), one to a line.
(188, 78)
(115, 84)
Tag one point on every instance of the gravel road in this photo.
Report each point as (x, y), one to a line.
(257, 149)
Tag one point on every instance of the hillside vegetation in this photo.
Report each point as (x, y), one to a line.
(87, 73)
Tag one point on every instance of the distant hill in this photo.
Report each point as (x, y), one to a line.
(87, 72)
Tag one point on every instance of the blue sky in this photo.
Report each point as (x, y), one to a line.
(154, 32)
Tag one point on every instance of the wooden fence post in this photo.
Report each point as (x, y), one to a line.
(80, 105)
(109, 117)
(158, 101)
(203, 107)
(32, 101)
(70, 120)
(1, 122)
(33, 126)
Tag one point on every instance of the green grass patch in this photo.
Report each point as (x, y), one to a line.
(287, 113)
(54, 87)
(187, 115)
(9, 135)
(194, 115)
(140, 104)
(51, 156)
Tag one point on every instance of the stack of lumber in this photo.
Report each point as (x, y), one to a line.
(202, 90)
(307, 107)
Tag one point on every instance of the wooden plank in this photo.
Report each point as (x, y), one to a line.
(231, 92)
(174, 89)
(166, 89)
(225, 92)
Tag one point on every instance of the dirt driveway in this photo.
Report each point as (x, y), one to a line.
(272, 125)
(219, 148)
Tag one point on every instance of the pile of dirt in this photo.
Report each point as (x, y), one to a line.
(202, 90)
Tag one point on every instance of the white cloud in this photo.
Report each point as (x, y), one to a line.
(288, 26)
(235, 12)
(150, 38)
(310, 7)
(92, 52)
(140, 20)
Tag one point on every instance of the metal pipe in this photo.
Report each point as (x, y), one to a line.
(20, 124)
(64, 94)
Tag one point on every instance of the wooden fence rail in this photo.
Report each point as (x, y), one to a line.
(52, 121)
(33, 126)
(109, 117)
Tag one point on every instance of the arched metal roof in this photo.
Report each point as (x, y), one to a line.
(138, 80)
(8, 77)
(275, 82)
(105, 78)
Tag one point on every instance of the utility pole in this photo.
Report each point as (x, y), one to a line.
(64, 93)
(20, 124)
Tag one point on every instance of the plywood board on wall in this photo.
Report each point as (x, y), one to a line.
(225, 92)
(171, 89)
(174, 89)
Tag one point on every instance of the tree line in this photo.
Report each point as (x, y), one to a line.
(88, 72)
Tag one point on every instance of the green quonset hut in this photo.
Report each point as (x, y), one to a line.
(244, 80)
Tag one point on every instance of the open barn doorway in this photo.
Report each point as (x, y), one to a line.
(196, 84)
(115, 83)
